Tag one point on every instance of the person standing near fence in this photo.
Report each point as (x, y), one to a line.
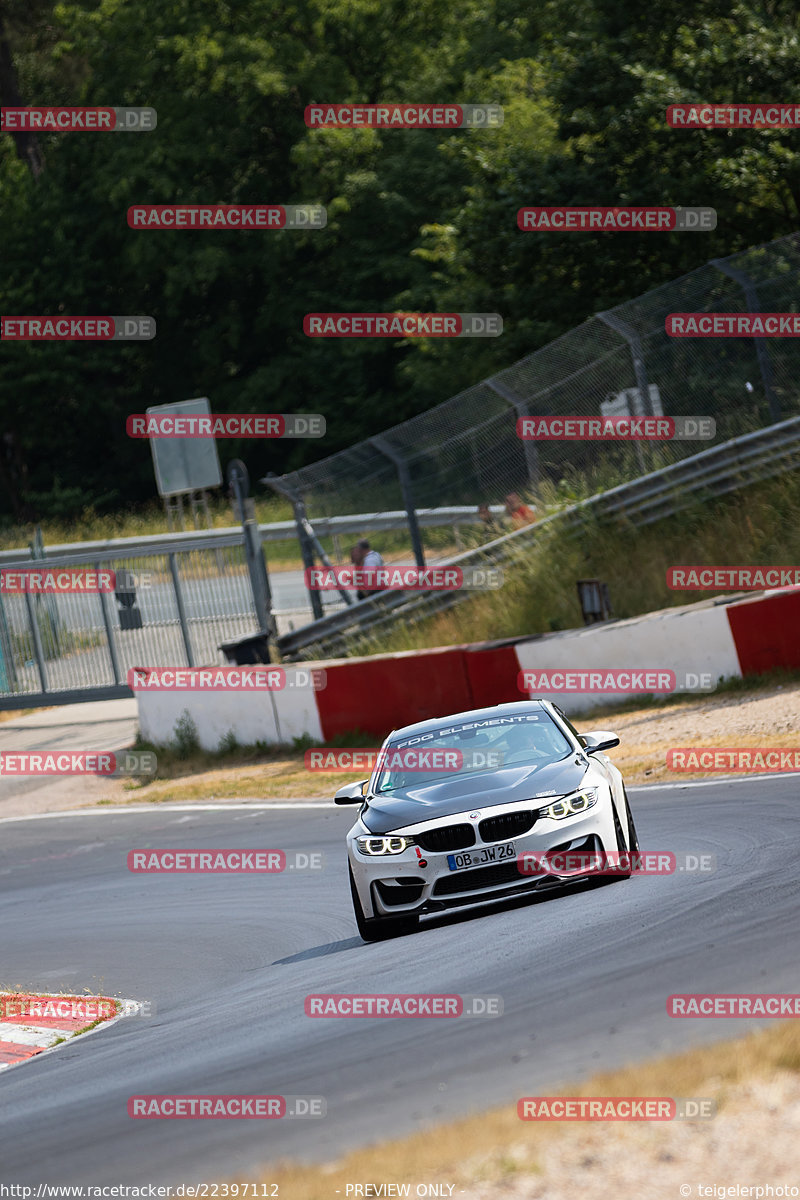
(362, 555)
(487, 519)
(519, 512)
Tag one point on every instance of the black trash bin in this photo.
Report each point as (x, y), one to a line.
(246, 652)
(130, 616)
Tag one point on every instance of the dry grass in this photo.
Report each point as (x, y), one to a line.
(282, 778)
(768, 715)
(496, 1154)
(756, 525)
(764, 714)
(13, 714)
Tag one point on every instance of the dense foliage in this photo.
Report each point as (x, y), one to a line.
(420, 220)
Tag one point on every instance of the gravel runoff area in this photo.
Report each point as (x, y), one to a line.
(748, 1142)
(751, 1143)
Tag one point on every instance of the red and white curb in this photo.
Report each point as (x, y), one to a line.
(36, 1023)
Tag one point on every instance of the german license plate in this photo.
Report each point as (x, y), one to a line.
(479, 858)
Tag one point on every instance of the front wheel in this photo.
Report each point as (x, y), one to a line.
(633, 837)
(625, 871)
(378, 929)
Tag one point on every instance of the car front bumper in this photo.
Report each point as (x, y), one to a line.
(398, 885)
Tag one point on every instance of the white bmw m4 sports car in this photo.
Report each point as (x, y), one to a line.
(482, 805)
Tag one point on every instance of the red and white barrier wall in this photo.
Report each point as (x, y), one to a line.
(385, 691)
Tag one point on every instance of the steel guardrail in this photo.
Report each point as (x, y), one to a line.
(215, 539)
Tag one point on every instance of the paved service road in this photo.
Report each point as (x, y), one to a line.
(102, 725)
(228, 960)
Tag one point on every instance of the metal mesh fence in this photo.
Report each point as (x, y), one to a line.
(466, 450)
(183, 606)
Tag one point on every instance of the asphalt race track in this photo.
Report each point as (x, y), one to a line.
(228, 959)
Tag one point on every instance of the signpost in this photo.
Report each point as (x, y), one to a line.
(185, 466)
(239, 481)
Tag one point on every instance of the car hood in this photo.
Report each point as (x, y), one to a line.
(459, 794)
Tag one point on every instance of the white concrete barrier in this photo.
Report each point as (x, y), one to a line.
(250, 715)
(382, 692)
(693, 641)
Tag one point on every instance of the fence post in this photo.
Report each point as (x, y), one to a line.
(753, 305)
(307, 538)
(380, 443)
(8, 673)
(48, 603)
(313, 541)
(306, 553)
(239, 480)
(529, 448)
(176, 583)
(37, 641)
(629, 334)
(112, 648)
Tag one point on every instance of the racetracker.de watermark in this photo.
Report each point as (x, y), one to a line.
(734, 116)
(78, 120)
(432, 759)
(225, 861)
(733, 1004)
(734, 759)
(732, 325)
(403, 116)
(338, 1004)
(226, 679)
(227, 216)
(402, 325)
(77, 329)
(614, 680)
(230, 1107)
(43, 1008)
(226, 425)
(403, 578)
(78, 762)
(613, 862)
(36, 581)
(743, 578)
(616, 429)
(615, 1108)
(619, 219)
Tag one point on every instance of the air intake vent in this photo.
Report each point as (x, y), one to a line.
(483, 877)
(507, 825)
(450, 837)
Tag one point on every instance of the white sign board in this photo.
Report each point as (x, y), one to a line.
(185, 464)
(628, 403)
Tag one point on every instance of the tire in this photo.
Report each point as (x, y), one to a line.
(620, 848)
(378, 929)
(633, 837)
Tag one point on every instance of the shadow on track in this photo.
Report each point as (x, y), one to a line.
(443, 920)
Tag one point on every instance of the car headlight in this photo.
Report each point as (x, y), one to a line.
(570, 806)
(375, 846)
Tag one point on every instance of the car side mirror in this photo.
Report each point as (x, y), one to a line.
(598, 740)
(351, 793)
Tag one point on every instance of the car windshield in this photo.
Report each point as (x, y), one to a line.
(470, 748)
